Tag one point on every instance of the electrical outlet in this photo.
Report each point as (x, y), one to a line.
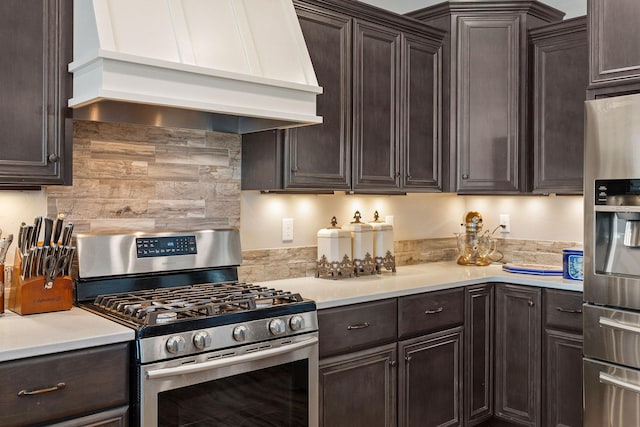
(505, 222)
(287, 229)
(388, 219)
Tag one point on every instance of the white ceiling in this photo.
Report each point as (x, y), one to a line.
(571, 8)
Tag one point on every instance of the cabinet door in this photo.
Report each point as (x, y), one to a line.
(563, 378)
(421, 107)
(518, 354)
(376, 107)
(430, 380)
(478, 365)
(39, 390)
(614, 42)
(319, 156)
(35, 85)
(359, 389)
(560, 79)
(488, 103)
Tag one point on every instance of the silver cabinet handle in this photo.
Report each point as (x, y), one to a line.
(604, 321)
(531, 303)
(568, 310)
(56, 387)
(229, 361)
(617, 382)
(358, 326)
(436, 311)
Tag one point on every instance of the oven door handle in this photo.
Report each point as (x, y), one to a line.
(224, 362)
(617, 382)
(605, 321)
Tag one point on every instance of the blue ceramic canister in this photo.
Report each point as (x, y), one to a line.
(572, 264)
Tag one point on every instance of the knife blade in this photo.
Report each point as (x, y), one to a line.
(7, 242)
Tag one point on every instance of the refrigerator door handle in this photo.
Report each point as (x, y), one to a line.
(604, 321)
(617, 382)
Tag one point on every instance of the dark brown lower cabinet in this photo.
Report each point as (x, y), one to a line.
(563, 379)
(430, 380)
(359, 389)
(563, 358)
(518, 358)
(83, 387)
(478, 359)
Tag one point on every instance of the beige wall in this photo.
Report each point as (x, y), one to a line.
(416, 216)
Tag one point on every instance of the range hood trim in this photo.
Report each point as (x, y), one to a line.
(136, 80)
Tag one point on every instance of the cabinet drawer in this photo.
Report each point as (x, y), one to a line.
(430, 312)
(344, 329)
(563, 310)
(79, 382)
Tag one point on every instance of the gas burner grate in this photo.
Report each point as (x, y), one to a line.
(165, 305)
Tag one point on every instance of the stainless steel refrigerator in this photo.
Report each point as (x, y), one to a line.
(612, 262)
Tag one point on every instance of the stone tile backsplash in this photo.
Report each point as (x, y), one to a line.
(130, 177)
(273, 264)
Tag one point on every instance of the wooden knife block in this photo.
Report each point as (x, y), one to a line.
(30, 296)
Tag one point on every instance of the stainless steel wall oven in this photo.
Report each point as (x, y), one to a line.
(612, 263)
(209, 350)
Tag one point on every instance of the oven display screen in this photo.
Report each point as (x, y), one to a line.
(148, 247)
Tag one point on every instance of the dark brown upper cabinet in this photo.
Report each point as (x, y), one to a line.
(381, 129)
(35, 85)
(614, 46)
(485, 90)
(560, 78)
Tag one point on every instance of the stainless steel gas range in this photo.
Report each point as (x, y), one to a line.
(209, 350)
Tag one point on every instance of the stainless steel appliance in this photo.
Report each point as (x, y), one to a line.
(612, 262)
(209, 350)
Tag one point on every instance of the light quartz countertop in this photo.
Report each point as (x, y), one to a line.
(408, 280)
(47, 333)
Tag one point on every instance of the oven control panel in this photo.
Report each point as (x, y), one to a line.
(148, 247)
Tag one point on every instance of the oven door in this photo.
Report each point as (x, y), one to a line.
(273, 383)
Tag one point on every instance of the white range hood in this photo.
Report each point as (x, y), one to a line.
(231, 65)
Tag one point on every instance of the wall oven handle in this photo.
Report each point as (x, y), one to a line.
(605, 321)
(224, 362)
(617, 382)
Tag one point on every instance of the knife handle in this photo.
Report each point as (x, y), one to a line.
(57, 229)
(48, 228)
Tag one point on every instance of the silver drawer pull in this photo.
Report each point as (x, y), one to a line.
(358, 326)
(568, 310)
(436, 311)
(604, 321)
(56, 387)
(617, 382)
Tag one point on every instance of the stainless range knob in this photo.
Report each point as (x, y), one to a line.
(240, 333)
(277, 327)
(296, 322)
(176, 344)
(202, 340)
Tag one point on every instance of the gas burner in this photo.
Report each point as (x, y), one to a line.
(167, 305)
